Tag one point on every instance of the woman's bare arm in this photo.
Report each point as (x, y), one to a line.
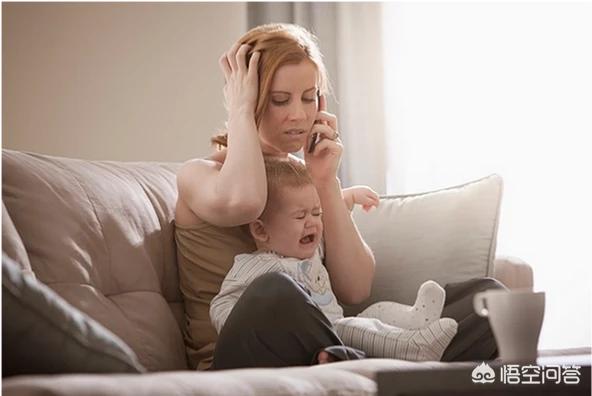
(348, 198)
(227, 194)
(235, 191)
(348, 259)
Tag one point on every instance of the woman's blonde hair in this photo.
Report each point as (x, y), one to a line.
(278, 44)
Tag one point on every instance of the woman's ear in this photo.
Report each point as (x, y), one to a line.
(258, 231)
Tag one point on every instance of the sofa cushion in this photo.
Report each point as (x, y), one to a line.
(12, 244)
(447, 235)
(43, 334)
(100, 234)
(289, 381)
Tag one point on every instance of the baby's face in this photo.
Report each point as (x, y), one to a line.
(294, 224)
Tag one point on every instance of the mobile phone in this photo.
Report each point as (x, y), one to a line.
(314, 139)
(313, 142)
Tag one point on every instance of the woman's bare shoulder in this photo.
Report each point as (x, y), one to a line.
(194, 172)
(204, 165)
(218, 156)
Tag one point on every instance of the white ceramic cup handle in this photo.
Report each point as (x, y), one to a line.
(480, 305)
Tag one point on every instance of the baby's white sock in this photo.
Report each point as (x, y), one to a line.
(427, 308)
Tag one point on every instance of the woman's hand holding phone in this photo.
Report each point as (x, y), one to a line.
(323, 149)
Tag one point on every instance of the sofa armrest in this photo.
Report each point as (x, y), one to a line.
(513, 272)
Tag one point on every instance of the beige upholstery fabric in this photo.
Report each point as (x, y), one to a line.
(246, 382)
(12, 243)
(513, 272)
(354, 377)
(447, 235)
(101, 235)
(46, 335)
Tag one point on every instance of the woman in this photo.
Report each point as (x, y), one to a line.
(275, 91)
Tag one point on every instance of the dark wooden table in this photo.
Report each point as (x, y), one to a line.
(553, 374)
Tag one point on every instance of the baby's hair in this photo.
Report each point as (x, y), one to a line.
(282, 173)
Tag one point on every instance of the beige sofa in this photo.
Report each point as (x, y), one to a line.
(100, 234)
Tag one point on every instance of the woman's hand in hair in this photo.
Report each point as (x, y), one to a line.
(241, 80)
(323, 162)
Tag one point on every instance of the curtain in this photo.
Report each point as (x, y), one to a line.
(349, 36)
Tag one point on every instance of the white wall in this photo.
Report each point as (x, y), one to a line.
(118, 81)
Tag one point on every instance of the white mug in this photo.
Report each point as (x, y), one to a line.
(516, 318)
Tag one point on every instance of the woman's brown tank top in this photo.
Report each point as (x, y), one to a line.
(205, 254)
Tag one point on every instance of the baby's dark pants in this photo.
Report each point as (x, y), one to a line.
(275, 323)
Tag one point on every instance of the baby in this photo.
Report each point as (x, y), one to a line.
(288, 236)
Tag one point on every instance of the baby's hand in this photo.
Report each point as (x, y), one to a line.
(361, 195)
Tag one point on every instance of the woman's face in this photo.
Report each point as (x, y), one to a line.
(291, 110)
(293, 225)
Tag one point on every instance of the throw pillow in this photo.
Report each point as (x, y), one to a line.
(43, 334)
(447, 235)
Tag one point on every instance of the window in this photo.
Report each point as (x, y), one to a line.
(480, 88)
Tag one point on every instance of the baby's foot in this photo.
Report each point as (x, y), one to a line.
(325, 357)
(427, 308)
(338, 353)
(429, 304)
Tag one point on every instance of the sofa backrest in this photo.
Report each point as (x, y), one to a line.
(100, 233)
